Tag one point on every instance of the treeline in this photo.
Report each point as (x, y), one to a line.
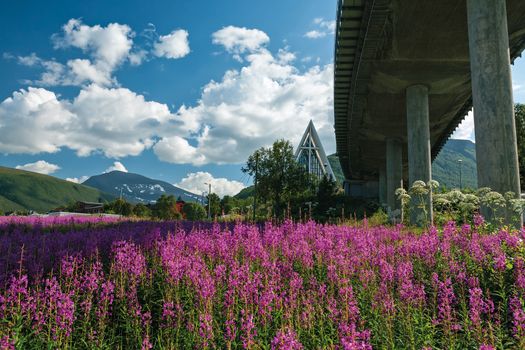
(169, 208)
(286, 190)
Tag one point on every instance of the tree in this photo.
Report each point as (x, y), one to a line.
(141, 210)
(326, 198)
(118, 206)
(194, 211)
(215, 202)
(280, 179)
(166, 208)
(519, 113)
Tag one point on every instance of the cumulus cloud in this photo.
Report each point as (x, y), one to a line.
(465, 130)
(196, 183)
(77, 180)
(323, 29)
(174, 45)
(116, 121)
(108, 45)
(40, 166)
(268, 98)
(107, 48)
(176, 149)
(238, 40)
(117, 166)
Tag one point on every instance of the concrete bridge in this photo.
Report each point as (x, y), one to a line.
(406, 74)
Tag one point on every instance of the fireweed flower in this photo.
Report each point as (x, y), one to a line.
(244, 285)
(6, 343)
(286, 340)
(486, 347)
(128, 258)
(518, 316)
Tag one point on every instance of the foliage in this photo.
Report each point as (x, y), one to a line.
(141, 210)
(119, 206)
(215, 203)
(281, 181)
(166, 208)
(462, 206)
(167, 285)
(194, 212)
(326, 200)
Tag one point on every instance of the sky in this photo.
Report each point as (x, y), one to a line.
(181, 91)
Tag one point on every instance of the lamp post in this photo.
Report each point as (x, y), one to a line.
(460, 161)
(209, 199)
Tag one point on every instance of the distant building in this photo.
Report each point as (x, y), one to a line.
(180, 205)
(310, 153)
(89, 207)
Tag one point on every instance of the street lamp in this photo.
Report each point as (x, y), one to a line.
(209, 199)
(460, 161)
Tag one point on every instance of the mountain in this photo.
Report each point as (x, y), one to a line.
(245, 193)
(136, 188)
(446, 168)
(336, 168)
(25, 190)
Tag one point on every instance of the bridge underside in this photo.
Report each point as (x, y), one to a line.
(385, 46)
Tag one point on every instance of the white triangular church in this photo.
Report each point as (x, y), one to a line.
(310, 153)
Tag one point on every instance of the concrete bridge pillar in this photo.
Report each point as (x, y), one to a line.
(419, 161)
(496, 150)
(382, 187)
(394, 174)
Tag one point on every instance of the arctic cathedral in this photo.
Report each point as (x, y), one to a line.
(311, 155)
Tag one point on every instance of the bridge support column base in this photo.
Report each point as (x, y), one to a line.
(496, 150)
(394, 175)
(419, 163)
(382, 187)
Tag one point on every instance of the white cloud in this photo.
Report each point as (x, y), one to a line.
(266, 100)
(136, 58)
(33, 121)
(40, 166)
(314, 34)
(117, 166)
(196, 183)
(238, 40)
(176, 149)
(29, 61)
(174, 45)
(108, 45)
(324, 28)
(83, 71)
(77, 180)
(465, 130)
(117, 122)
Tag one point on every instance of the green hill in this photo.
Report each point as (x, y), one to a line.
(25, 190)
(245, 193)
(446, 168)
(336, 168)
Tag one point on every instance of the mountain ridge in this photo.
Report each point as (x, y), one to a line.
(137, 188)
(26, 190)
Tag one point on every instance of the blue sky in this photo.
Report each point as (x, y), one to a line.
(181, 91)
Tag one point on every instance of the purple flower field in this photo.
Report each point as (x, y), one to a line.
(173, 285)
